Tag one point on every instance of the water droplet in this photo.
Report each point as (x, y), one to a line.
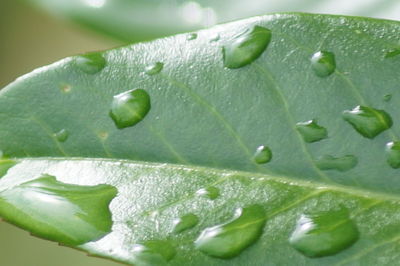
(246, 47)
(215, 37)
(191, 36)
(66, 213)
(262, 155)
(367, 121)
(323, 63)
(90, 63)
(230, 239)
(324, 233)
(130, 107)
(311, 131)
(61, 135)
(393, 154)
(153, 252)
(154, 68)
(66, 88)
(392, 53)
(387, 97)
(185, 222)
(209, 192)
(5, 165)
(103, 135)
(342, 164)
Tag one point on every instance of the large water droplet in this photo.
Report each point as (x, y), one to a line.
(130, 107)
(367, 121)
(262, 155)
(311, 131)
(342, 164)
(323, 63)
(246, 47)
(69, 214)
(185, 222)
(153, 252)
(393, 154)
(324, 233)
(5, 165)
(230, 239)
(154, 68)
(209, 192)
(62, 135)
(90, 63)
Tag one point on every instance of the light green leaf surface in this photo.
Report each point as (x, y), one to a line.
(323, 192)
(134, 20)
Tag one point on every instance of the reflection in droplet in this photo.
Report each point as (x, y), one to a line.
(367, 121)
(209, 192)
(129, 108)
(90, 63)
(246, 47)
(153, 252)
(185, 222)
(95, 3)
(324, 233)
(263, 155)
(323, 63)
(230, 239)
(311, 131)
(66, 213)
(393, 154)
(342, 164)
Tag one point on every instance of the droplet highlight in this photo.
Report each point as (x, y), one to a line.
(209, 192)
(246, 47)
(228, 240)
(342, 164)
(154, 68)
(323, 63)
(324, 233)
(66, 213)
(393, 154)
(90, 63)
(153, 252)
(129, 108)
(185, 222)
(262, 155)
(61, 135)
(367, 121)
(311, 131)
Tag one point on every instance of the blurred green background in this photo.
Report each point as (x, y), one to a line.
(30, 39)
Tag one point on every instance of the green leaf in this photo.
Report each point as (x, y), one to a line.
(135, 20)
(227, 147)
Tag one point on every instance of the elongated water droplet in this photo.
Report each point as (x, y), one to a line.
(185, 222)
(311, 131)
(393, 154)
(324, 233)
(130, 107)
(323, 63)
(246, 47)
(387, 97)
(69, 214)
(342, 164)
(191, 36)
(209, 192)
(230, 239)
(90, 63)
(367, 121)
(154, 68)
(392, 53)
(5, 165)
(262, 155)
(62, 135)
(153, 252)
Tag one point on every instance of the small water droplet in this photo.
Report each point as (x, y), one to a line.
(387, 97)
(154, 68)
(103, 135)
(392, 53)
(62, 135)
(323, 63)
(130, 107)
(185, 222)
(262, 155)
(311, 131)
(66, 88)
(5, 165)
(246, 47)
(215, 37)
(153, 252)
(367, 121)
(90, 63)
(230, 239)
(209, 192)
(393, 154)
(342, 164)
(191, 36)
(66, 213)
(324, 233)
